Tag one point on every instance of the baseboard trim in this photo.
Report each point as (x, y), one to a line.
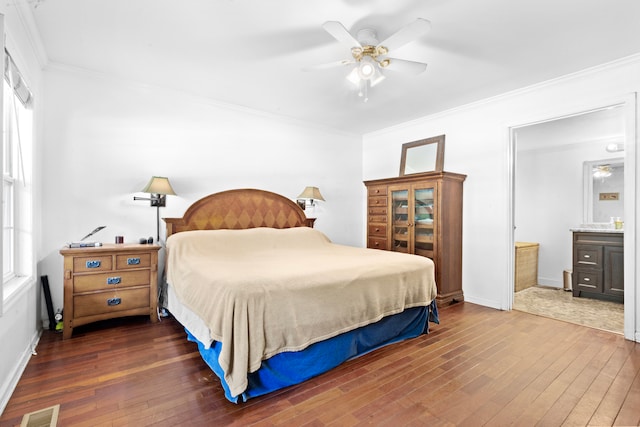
(9, 385)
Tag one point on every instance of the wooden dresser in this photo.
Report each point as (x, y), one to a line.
(421, 214)
(109, 281)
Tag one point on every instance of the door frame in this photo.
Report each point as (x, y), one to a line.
(629, 103)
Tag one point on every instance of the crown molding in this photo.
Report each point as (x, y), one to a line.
(631, 59)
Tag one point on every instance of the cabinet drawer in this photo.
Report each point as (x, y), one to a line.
(92, 263)
(377, 219)
(111, 280)
(377, 243)
(588, 256)
(588, 280)
(126, 261)
(377, 230)
(107, 302)
(377, 190)
(378, 211)
(378, 201)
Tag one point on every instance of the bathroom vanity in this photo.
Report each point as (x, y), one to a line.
(598, 263)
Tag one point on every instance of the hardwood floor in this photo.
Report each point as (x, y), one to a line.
(479, 366)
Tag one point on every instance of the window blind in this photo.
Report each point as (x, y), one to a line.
(13, 77)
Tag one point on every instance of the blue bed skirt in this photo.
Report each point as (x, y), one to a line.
(289, 368)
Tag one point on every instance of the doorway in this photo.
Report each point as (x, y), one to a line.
(550, 200)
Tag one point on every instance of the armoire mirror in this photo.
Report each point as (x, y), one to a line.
(425, 155)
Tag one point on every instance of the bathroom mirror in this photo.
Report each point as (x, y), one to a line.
(603, 190)
(425, 155)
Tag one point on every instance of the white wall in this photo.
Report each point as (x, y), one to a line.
(20, 315)
(105, 138)
(477, 144)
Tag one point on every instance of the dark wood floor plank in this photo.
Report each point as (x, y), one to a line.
(478, 367)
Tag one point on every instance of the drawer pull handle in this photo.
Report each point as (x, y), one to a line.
(133, 261)
(114, 301)
(93, 263)
(587, 256)
(586, 279)
(113, 280)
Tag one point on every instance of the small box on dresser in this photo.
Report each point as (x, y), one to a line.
(109, 281)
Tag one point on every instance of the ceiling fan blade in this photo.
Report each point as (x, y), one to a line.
(404, 66)
(329, 65)
(407, 34)
(340, 33)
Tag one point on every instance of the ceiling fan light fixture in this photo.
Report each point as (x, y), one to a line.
(367, 68)
(377, 78)
(353, 76)
(602, 171)
(369, 55)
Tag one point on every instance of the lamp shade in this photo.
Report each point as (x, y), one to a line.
(312, 193)
(159, 185)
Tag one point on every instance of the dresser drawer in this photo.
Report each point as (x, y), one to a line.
(379, 211)
(107, 302)
(377, 190)
(378, 220)
(111, 280)
(92, 263)
(379, 230)
(127, 261)
(377, 243)
(378, 201)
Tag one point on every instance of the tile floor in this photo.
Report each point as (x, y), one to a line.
(560, 304)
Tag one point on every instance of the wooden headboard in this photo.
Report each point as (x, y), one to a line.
(239, 209)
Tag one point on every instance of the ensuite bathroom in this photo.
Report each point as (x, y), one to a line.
(569, 218)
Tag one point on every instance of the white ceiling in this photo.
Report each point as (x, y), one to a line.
(602, 126)
(251, 52)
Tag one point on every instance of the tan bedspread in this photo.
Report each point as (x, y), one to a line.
(263, 291)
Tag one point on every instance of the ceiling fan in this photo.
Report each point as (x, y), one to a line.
(369, 57)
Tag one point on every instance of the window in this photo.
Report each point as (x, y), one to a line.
(17, 241)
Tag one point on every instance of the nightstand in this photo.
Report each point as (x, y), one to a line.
(113, 280)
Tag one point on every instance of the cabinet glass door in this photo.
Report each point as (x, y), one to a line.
(423, 220)
(400, 221)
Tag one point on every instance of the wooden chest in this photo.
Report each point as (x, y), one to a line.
(109, 281)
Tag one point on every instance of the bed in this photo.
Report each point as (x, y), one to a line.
(271, 302)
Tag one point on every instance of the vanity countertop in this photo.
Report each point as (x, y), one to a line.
(596, 230)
